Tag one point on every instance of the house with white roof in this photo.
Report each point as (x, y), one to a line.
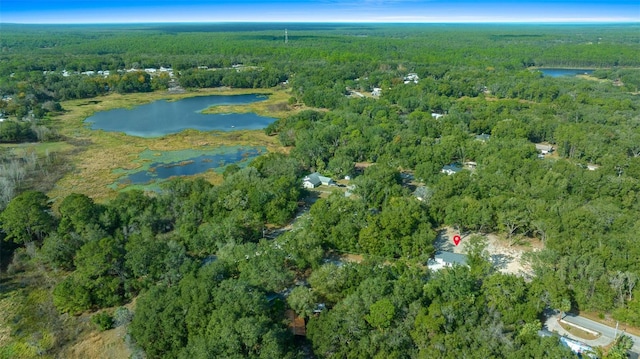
(446, 259)
(451, 169)
(411, 77)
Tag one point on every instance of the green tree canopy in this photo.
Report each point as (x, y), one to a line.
(27, 217)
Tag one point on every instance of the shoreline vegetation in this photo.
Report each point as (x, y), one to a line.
(103, 152)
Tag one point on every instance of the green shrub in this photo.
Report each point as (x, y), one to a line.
(103, 320)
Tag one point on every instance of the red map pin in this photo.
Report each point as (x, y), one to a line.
(456, 239)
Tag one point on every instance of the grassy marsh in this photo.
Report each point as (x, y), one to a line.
(103, 152)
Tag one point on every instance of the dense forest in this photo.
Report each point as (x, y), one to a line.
(198, 260)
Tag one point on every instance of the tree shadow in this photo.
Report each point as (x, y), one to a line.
(501, 261)
(443, 242)
(6, 253)
(9, 285)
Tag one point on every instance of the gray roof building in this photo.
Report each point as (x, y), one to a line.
(446, 259)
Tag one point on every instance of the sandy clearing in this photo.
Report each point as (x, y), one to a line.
(507, 259)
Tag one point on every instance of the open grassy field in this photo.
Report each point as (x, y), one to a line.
(103, 152)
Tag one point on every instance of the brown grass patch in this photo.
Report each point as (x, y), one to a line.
(275, 106)
(108, 344)
(578, 332)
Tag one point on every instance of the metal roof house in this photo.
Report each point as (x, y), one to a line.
(446, 259)
(451, 169)
(315, 179)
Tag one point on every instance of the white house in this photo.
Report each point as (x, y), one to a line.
(446, 259)
(451, 169)
(377, 91)
(412, 77)
(578, 347)
(436, 115)
(315, 179)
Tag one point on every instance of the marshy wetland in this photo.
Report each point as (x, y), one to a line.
(156, 167)
(113, 161)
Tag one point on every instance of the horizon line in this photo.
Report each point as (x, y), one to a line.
(603, 21)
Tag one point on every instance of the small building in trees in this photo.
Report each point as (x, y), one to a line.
(471, 165)
(578, 347)
(451, 169)
(315, 179)
(544, 149)
(423, 193)
(320, 307)
(411, 77)
(483, 137)
(296, 323)
(446, 259)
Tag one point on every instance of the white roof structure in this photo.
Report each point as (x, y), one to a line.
(446, 259)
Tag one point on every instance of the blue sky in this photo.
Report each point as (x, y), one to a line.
(121, 11)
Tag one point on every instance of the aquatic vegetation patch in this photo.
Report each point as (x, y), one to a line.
(157, 166)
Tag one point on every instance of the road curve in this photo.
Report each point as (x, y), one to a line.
(602, 329)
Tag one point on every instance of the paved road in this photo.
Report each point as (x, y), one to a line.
(602, 329)
(552, 325)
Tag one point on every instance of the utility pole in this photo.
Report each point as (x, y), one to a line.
(286, 36)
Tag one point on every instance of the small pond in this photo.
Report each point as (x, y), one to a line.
(553, 72)
(164, 117)
(158, 166)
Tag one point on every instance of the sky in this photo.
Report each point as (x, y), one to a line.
(421, 11)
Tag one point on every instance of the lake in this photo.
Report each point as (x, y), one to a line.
(164, 117)
(553, 72)
(157, 166)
